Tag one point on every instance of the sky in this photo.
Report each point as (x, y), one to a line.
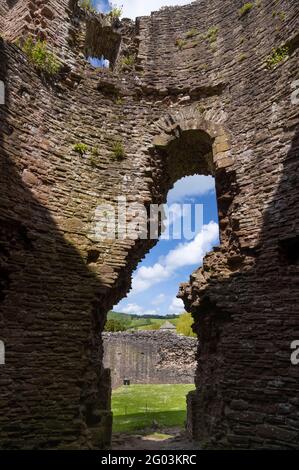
(156, 281)
(134, 8)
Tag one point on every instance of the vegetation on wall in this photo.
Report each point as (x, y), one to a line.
(278, 55)
(39, 55)
(180, 43)
(212, 34)
(87, 5)
(118, 151)
(246, 8)
(116, 12)
(80, 148)
(128, 61)
(192, 33)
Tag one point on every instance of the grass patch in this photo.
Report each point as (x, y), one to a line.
(180, 43)
(80, 148)
(277, 56)
(39, 55)
(246, 9)
(118, 151)
(192, 33)
(212, 35)
(128, 61)
(138, 407)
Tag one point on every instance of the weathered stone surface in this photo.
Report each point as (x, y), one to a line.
(231, 118)
(150, 357)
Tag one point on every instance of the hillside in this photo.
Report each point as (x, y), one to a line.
(141, 322)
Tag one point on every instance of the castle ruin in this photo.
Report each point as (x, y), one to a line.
(205, 94)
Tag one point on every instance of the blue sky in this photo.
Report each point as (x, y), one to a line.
(134, 8)
(170, 262)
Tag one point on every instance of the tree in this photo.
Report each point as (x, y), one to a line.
(114, 325)
(184, 325)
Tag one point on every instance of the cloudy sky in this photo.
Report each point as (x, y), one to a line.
(157, 278)
(134, 8)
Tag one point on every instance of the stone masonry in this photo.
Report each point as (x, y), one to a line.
(198, 98)
(150, 357)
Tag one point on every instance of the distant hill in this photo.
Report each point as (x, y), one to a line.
(141, 322)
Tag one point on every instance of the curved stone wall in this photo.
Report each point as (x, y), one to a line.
(57, 280)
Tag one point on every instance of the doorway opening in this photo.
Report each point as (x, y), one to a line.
(149, 345)
(186, 146)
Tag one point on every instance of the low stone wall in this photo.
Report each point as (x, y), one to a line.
(150, 357)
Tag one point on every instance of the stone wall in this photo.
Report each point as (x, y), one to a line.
(150, 357)
(208, 106)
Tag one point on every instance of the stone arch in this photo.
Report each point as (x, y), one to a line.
(171, 126)
(218, 162)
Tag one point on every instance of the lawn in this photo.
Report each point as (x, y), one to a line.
(139, 407)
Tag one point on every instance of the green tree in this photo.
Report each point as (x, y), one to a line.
(184, 325)
(114, 325)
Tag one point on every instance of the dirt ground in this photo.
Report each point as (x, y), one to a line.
(164, 439)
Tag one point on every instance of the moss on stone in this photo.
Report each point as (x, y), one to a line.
(246, 8)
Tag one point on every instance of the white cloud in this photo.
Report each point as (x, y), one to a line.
(185, 254)
(134, 8)
(191, 186)
(176, 306)
(151, 312)
(148, 276)
(159, 300)
(133, 309)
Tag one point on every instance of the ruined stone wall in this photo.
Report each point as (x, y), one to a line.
(207, 107)
(149, 357)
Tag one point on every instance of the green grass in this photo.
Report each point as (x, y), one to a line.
(138, 407)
